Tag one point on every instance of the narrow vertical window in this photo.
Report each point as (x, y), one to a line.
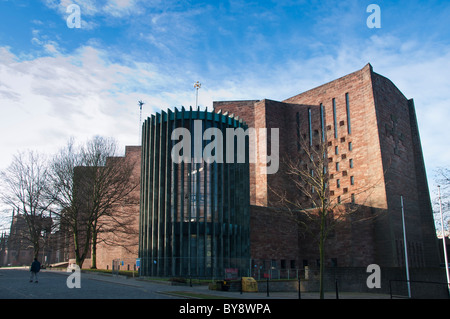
(336, 150)
(347, 103)
(353, 198)
(337, 166)
(338, 183)
(352, 180)
(350, 146)
(322, 122)
(298, 131)
(334, 118)
(351, 163)
(310, 128)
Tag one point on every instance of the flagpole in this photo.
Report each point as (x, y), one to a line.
(406, 248)
(443, 240)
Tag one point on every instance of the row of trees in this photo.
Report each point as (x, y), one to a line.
(81, 187)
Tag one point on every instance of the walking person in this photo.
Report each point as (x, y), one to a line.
(34, 269)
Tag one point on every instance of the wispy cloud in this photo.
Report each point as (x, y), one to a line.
(48, 99)
(237, 50)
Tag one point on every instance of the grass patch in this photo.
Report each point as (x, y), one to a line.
(128, 273)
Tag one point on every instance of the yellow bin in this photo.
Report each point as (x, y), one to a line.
(249, 284)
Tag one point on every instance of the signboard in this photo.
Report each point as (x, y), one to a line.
(138, 262)
(231, 273)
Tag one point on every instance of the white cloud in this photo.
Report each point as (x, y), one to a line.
(46, 100)
(120, 8)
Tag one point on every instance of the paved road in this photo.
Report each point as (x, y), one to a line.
(138, 294)
(14, 284)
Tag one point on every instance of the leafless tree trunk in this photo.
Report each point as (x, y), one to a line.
(24, 186)
(67, 193)
(309, 200)
(443, 180)
(90, 186)
(111, 184)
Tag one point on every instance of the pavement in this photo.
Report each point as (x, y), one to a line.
(52, 284)
(123, 296)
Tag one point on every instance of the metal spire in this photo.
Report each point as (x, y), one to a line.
(197, 85)
(141, 103)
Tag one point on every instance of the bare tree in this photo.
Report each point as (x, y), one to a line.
(24, 186)
(66, 192)
(90, 186)
(111, 184)
(310, 200)
(443, 180)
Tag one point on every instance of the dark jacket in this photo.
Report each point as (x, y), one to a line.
(35, 266)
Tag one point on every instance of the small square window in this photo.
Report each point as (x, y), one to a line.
(293, 264)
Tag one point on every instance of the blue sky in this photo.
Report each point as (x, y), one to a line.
(57, 82)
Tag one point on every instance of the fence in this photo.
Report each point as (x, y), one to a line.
(216, 268)
(127, 264)
(418, 289)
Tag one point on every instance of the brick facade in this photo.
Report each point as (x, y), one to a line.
(371, 133)
(370, 129)
(119, 244)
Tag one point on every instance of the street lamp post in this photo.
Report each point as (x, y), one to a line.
(443, 240)
(406, 249)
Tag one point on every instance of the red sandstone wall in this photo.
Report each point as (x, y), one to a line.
(124, 245)
(366, 154)
(387, 162)
(245, 110)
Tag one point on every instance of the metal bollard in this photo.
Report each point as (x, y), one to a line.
(241, 285)
(337, 293)
(299, 292)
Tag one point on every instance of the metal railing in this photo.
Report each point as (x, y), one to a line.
(418, 289)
